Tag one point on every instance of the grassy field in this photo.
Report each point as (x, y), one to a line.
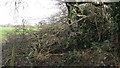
(4, 31)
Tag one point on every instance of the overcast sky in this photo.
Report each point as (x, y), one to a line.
(34, 11)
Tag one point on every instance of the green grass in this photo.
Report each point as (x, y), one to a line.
(4, 31)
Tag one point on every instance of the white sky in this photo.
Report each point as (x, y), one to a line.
(33, 13)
